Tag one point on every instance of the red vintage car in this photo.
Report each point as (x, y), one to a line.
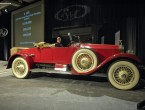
(122, 69)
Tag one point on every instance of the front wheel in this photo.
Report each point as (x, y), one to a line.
(20, 68)
(123, 75)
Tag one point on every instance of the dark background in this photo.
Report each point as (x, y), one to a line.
(103, 18)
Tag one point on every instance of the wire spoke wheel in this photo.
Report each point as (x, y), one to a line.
(123, 75)
(84, 60)
(20, 68)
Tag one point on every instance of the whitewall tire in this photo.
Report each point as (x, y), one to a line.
(123, 75)
(20, 68)
(84, 60)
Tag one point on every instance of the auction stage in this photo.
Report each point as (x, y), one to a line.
(43, 91)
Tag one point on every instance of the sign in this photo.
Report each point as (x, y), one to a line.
(3, 32)
(72, 12)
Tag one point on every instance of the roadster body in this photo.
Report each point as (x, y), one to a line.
(122, 69)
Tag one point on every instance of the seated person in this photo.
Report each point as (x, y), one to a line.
(44, 44)
(58, 42)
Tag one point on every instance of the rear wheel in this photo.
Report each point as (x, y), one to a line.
(20, 68)
(84, 60)
(123, 75)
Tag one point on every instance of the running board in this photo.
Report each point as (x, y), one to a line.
(50, 71)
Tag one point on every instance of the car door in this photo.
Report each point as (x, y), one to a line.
(62, 55)
(59, 55)
(46, 55)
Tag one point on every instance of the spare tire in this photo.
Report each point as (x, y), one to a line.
(84, 60)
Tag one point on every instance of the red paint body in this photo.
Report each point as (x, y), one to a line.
(63, 55)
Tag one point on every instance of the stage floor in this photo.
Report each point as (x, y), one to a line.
(43, 91)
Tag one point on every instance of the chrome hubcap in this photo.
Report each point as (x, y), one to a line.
(84, 61)
(19, 67)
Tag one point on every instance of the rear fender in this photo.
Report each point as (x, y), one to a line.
(28, 59)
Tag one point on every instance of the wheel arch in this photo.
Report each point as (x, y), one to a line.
(28, 59)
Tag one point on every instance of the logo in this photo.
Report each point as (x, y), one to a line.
(72, 12)
(3, 32)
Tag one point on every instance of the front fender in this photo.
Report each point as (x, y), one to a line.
(113, 58)
(122, 56)
(27, 57)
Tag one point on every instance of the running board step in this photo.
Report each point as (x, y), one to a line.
(50, 71)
